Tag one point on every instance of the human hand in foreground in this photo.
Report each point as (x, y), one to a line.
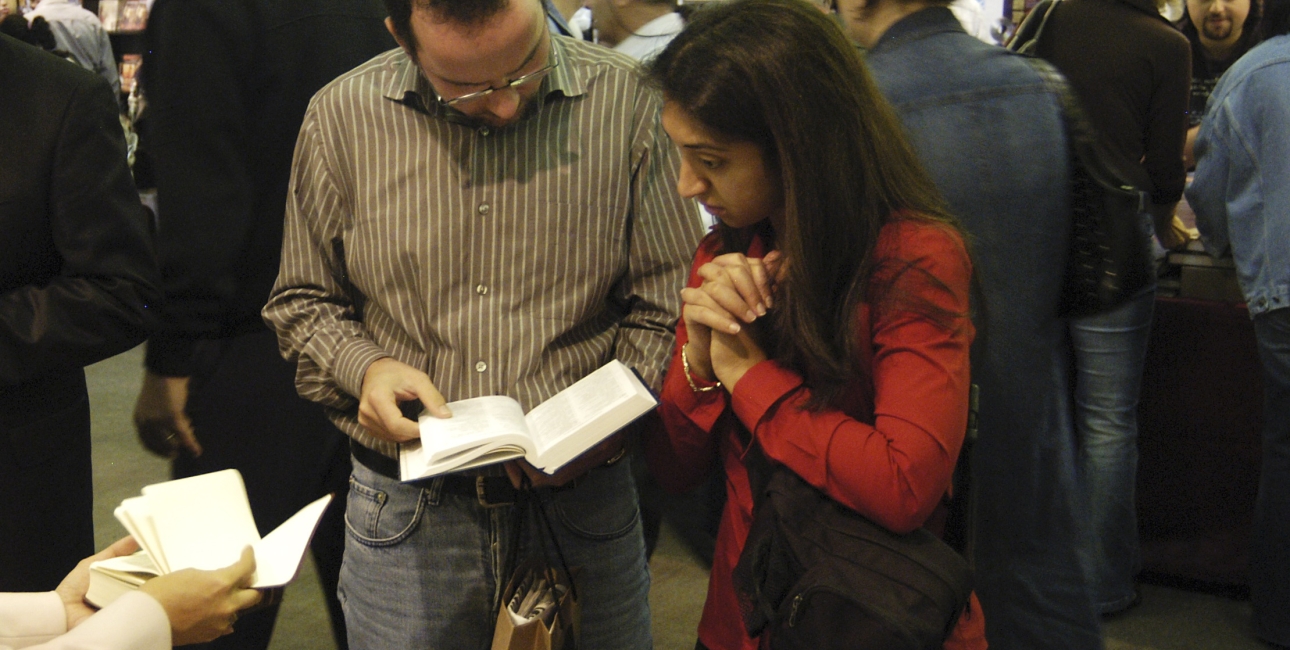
(736, 290)
(1176, 235)
(72, 589)
(733, 355)
(388, 382)
(159, 417)
(203, 605)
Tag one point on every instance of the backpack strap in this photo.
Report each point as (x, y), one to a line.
(1026, 40)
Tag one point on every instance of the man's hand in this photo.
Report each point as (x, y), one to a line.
(606, 449)
(203, 605)
(388, 382)
(159, 417)
(72, 589)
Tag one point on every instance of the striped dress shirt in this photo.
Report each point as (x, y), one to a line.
(501, 261)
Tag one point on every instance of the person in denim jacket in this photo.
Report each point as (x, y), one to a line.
(990, 134)
(1242, 204)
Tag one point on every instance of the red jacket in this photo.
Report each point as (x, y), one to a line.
(889, 453)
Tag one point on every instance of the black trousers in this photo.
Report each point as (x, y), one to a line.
(247, 416)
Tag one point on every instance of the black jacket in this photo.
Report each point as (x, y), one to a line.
(227, 83)
(77, 271)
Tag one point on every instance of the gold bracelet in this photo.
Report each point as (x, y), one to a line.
(685, 365)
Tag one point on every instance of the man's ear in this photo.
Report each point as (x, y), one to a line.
(389, 25)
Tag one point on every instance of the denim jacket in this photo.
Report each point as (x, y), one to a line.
(1241, 191)
(990, 134)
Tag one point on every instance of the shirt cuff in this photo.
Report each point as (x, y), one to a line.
(760, 389)
(27, 619)
(352, 361)
(170, 356)
(135, 620)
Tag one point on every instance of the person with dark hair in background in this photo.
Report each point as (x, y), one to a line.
(827, 316)
(1220, 32)
(1242, 201)
(488, 211)
(1129, 69)
(991, 134)
(80, 34)
(227, 84)
(78, 281)
(638, 28)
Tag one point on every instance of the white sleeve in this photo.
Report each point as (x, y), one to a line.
(134, 622)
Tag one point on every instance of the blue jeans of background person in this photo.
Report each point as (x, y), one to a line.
(1108, 354)
(424, 569)
(1270, 543)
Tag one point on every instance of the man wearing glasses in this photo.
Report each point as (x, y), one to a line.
(488, 210)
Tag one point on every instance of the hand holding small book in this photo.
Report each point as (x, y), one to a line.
(388, 382)
(203, 605)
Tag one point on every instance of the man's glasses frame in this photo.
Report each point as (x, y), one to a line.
(510, 83)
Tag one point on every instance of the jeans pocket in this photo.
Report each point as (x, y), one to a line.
(376, 517)
(603, 506)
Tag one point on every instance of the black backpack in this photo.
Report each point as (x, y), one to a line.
(816, 575)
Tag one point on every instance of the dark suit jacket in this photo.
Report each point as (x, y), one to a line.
(77, 270)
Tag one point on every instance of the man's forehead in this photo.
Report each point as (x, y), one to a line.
(481, 52)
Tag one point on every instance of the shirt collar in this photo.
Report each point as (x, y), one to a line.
(409, 87)
(919, 25)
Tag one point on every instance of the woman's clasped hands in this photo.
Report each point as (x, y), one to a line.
(720, 315)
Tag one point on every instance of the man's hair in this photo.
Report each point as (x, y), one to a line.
(781, 75)
(461, 12)
(1276, 18)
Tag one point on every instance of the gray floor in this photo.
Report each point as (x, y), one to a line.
(1167, 619)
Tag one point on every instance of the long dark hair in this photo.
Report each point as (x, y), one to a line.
(780, 74)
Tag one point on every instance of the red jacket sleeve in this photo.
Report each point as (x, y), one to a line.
(895, 470)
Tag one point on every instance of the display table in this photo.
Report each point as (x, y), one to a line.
(1200, 423)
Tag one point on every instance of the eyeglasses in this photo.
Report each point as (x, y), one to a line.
(537, 75)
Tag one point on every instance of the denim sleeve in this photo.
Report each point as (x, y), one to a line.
(1207, 194)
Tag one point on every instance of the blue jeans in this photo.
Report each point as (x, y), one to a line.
(1109, 350)
(424, 569)
(1270, 543)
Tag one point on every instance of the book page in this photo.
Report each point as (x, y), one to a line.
(585, 413)
(204, 521)
(474, 422)
(134, 515)
(278, 555)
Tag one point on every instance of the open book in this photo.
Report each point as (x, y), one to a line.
(487, 430)
(202, 522)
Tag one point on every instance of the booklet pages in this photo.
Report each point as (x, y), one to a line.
(486, 430)
(201, 522)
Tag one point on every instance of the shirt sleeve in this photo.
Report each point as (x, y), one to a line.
(897, 469)
(1166, 125)
(682, 449)
(197, 136)
(313, 306)
(98, 303)
(665, 229)
(1208, 192)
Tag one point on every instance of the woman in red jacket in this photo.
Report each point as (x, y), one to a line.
(827, 314)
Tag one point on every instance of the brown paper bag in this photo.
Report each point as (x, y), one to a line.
(534, 634)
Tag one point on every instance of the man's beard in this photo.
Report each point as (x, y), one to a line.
(1216, 31)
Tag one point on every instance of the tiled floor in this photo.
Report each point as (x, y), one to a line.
(1167, 619)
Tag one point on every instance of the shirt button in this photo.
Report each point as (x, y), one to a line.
(480, 366)
(484, 208)
(483, 130)
(481, 290)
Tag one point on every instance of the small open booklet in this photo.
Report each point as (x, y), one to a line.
(487, 430)
(202, 522)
